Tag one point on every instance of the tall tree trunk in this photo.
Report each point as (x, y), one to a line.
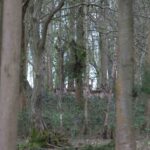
(38, 90)
(60, 53)
(104, 68)
(104, 59)
(87, 71)
(23, 63)
(1, 15)
(9, 79)
(71, 38)
(49, 62)
(81, 56)
(38, 93)
(39, 51)
(124, 83)
(146, 83)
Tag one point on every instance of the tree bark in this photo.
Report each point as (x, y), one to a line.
(1, 14)
(39, 49)
(60, 63)
(71, 38)
(124, 83)
(49, 62)
(81, 56)
(87, 72)
(23, 63)
(9, 79)
(104, 60)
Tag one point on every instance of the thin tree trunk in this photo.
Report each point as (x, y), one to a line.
(86, 128)
(9, 79)
(80, 56)
(61, 85)
(104, 60)
(1, 14)
(23, 63)
(49, 72)
(124, 83)
(104, 67)
(71, 38)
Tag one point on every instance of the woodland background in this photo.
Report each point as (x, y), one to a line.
(84, 77)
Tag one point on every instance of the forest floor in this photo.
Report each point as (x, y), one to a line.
(84, 142)
(142, 144)
(98, 144)
(81, 144)
(78, 144)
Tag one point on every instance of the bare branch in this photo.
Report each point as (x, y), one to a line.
(88, 5)
(47, 21)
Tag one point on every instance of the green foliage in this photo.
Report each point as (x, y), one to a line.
(75, 66)
(23, 123)
(73, 116)
(146, 81)
(109, 146)
(35, 140)
(21, 146)
(38, 139)
(43, 139)
(139, 111)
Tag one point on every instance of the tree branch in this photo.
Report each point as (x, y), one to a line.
(47, 21)
(90, 4)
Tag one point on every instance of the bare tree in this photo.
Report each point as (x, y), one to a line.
(9, 79)
(1, 10)
(80, 55)
(124, 84)
(39, 35)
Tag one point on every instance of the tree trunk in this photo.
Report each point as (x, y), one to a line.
(38, 90)
(124, 83)
(71, 38)
(81, 56)
(60, 53)
(146, 83)
(104, 66)
(38, 93)
(39, 51)
(49, 63)
(1, 11)
(9, 79)
(87, 71)
(23, 63)
(104, 60)
(49, 72)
